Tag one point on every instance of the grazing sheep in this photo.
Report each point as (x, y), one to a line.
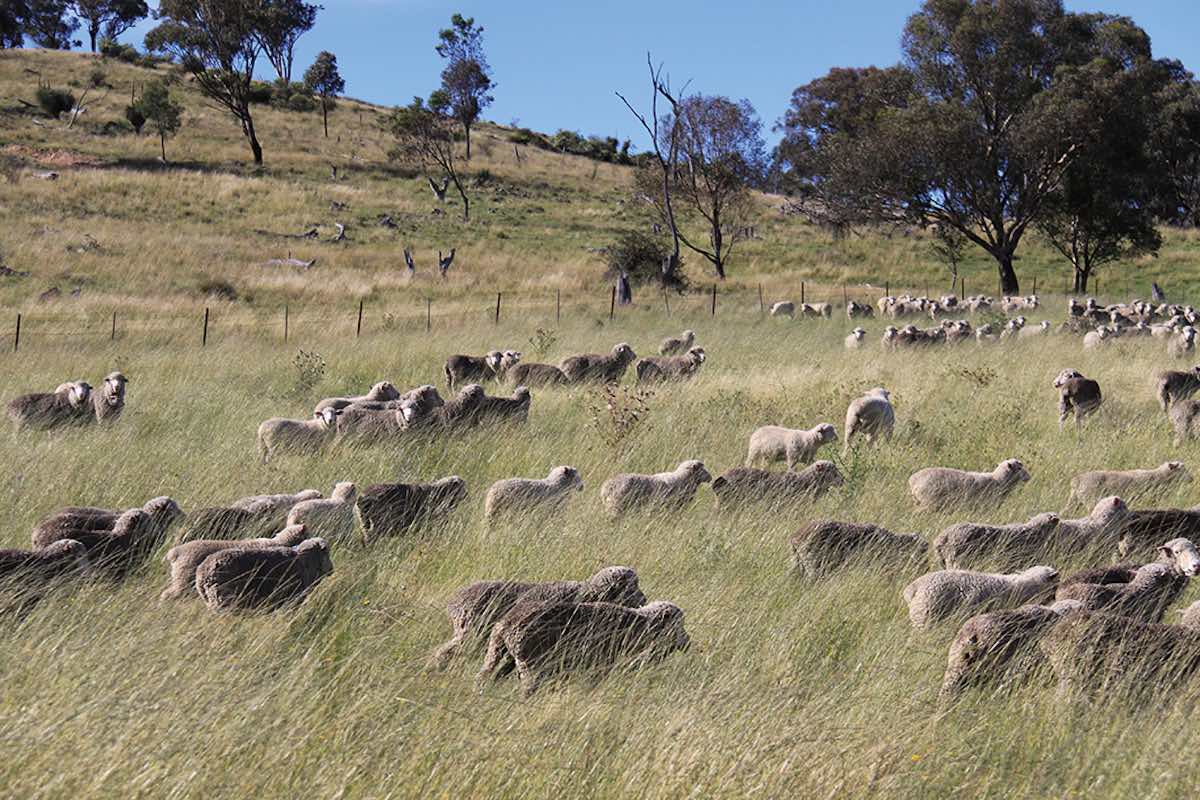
(479, 369)
(772, 444)
(1042, 329)
(109, 402)
(475, 609)
(1096, 338)
(221, 522)
(1099, 531)
(392, 509)
(971, 545)
(1088, 487)
(504, 409)
(278, 435)
(184, 559)
(536, 375)
(62, 559)
(821, 547)
(999, 645)
(331, 519)
(527, 495)
(673, 346)
(871, 415)
(460, 411)
(625, 492)
(1143, 530)
(816, 310)
(383, 391)
(855, 310)
(69, 404)
(1145, 597)
(745, 485)
(854, 341)
(269, 577)
(117, 544)
(274, 506)
(1182, 344)
(544, 639)
(940, 595)
(659, 369)
(940, 488)
(1174, 385)
(1076, 395)
(784, 308)
(596, 368)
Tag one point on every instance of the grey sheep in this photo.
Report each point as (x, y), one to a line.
(109, 402)
(1182, 344)
(1183, 415)
(329, 518)
(545, 639)
(460, 411)
(1175, 385)
(380, 392)
(784, 308)
(264, 578)
(772, 443)
(476, 608)
(871, 416)
(117, 544)
(855, 310)
(1088, 487)
(674, 346)
(64, 558)
(247, 517)
(274, 506)
(1076, 395)
(513, 409)
(184, 559)
(536, 375)
(1144, 529)
(759, 488)
(392, 509)
(527, 495)
(1145, 596)
(816, 310)
(972, 545)
(372, 422)
(937, 596)
(673, 490)
(822, 547)
(941, 488)
(660, 369)
(69, 404)
(596, 368)
(306, 436)
(479, 369)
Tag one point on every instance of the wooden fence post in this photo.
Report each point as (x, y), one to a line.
(887, 289)
(358, 330)
(1035, 284)
(204, 335)
(801, 292)
(557, 303)
(714, 300)
(17, 338)
(612, 307)
(285, 323)
(113, 336)
(498, 308)
(761, 307)
(428, 314)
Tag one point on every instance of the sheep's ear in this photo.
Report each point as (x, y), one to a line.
(1166, 552)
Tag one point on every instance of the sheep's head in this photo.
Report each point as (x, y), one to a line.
(66, 555)
(471, 394)
(449, 491)
(695, 471)
(666, 619)
(318, 551)
(79, 393)
(1047, 521)
(616, 585)
(493, 360)
(1041, 576)
(522, 394)
(689, 336)
(1175, 470)
(1110, 510)
(624, 353)
(826, 432)
(697, 355)
(328, 417)
(114, 385)
(880, 392)
(827, 473)
(384, 390)
(858, 333)
(1182, 554)
(1012, 471)
(1066, 375)
(567, 476)
(164, 510)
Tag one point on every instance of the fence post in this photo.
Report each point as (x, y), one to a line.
(801, 292)
(358, 330)
(17, 338)
(557, 303)
(612, 308)
(761, 308)
(845, 299)
(285, 323)
(887, 289)
(714, 300)
(1035, 284)
(962, 286)
(113, 336)
(204, 335)
(428, 314)
(497, 308)
(667, 301)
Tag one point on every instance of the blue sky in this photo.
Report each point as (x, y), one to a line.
(557, 64)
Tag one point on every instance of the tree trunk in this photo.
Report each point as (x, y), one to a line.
(92, 31)
(1008, 276)
(467, 128)
(466, 203)
(162, 140)
(255, 147)
(325, 114)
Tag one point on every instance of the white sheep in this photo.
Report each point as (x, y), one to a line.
(941, 488)
(773, 443)
(527, 495)
(332, 519)
(1088, 487)
(784, 308)
(277, 435)
(1183, 343)
(677, 346)
(380, 392)
(939, 595)
(272, 506)
(664, 490)
(854, 341)
(871, 415)
(1096, 338)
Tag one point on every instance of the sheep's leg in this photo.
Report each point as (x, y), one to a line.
(441, 657)
(529, 678)
(495, 654)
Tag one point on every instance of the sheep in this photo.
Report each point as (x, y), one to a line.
(1076, 395)
(737, 487)
(1041, 329)
(109, 402)
(380, 392)
(1096, 338)
(503, 409)
(1088, 487)
(593, 367)
(784, 308)
(1142, 530)
(479, 369)
(855, 310)
(536, 375)
(970, 545)
(69, 404)
(1174, 385)
(871, 415)
(817, 310)
(273, 506)
(278, 435)
(854, 341)
(1100, 530)
(62, 559)
(940, 488)
(675, 346)
(249, 516)
(460, 411)
(543, 639)
(1183, 415)
(527, 495)
(184, 559)
(117, 544)
(372, 422)
(985, 334)
(1182, 344)
(772, 444)
(821, 547)
(937, 596)
(1145, 597)
(623, 493)
(270, 577)
(331, 519)
(475, 609)
(392, 509)
(673, 368)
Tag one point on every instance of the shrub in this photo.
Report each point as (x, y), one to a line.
(55, 101)
(260, 92)
(641, 257)
(98, 78)
(301, 103)
(122, 52)
(310, 368)
(618, 414)
(136, 118)
(221, 290)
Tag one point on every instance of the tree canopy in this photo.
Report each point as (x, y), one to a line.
(324, 79)
(467, 78)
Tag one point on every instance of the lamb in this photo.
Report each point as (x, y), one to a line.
(1088, 487)
(527, 495)
(1174, 385)
(854, 341)
(941, 489)
(64, 558)
(184, 559)
(675, 346)
(871, 415)
(1076, 395)
(118, 544)
(475, 609)
(278, 435)
(1182, 344)
(772, 444)
(673, 368)
(745, 485)
(479, 369)
(69, 404)
(266, 578)
(940, 595)
(970, 545)
(1145, 597)
(665, 491)
(109, 402)
(536, 375)
(1183, 415)
(392, 509)
(822, 547)
(543, 639)
(997, 645)
(380, 392)
(784, 308)
(331, 519)
(855, 309)
(593, 367)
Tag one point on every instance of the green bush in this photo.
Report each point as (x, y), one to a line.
(136, 118)
(302, 103)
(55, 101)
(641, 256)
(260, 92)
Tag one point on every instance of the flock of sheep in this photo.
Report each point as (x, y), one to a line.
(270, 551)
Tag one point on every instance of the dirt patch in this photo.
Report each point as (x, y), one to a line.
(52, 158)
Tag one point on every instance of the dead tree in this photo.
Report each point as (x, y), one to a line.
(444, 263)
(440, 191)
(408, 259)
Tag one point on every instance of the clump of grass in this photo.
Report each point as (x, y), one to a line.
(310, 369)
(542, 342)
(618, 414)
